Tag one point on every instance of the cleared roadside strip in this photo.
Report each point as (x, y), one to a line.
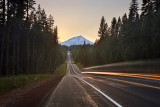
(106, 96)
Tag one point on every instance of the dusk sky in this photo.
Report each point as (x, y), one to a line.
(82, 17)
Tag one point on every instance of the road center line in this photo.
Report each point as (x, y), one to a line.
(106, 96)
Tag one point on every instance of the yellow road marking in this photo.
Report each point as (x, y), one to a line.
(144, 76)
(135, 83)
(128, 75)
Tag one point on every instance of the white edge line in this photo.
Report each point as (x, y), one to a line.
(74, 69)
(52, 94)
(114, 102)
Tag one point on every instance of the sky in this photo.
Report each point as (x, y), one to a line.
(82, 17)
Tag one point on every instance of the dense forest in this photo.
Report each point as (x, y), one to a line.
(28, 39)
(130, 37)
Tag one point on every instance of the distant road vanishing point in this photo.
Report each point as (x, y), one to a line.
(79, 89)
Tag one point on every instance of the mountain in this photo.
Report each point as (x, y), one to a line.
(78, 40)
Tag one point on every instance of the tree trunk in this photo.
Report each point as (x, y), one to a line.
(14, 50)
(28, 41)
(7, 53)
(2, 51)
(4, 10)
(27, 10)
(28, 45)
(2, 38)
(33, 57)
(18, 46)
(8, 2)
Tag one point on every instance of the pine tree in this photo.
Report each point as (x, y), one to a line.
(44, 23)
(2, 12)
(156, 4)
(147, 8)
(2, 28)
(102, 29)
(29, 34)
(55, 36)
(50, 23)
(20, 10)
(113, 26)
(38, 17)
(133, 11)
(29, 6)
(124, 18)
(118, 26)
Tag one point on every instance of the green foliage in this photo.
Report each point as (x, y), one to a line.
(9, 83)
(133, 11)
(61, 71)
(29, 41)
(103, 27)
(133, 38)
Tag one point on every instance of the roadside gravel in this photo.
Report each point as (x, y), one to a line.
(32, 95)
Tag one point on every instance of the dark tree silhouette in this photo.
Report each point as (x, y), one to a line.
(102, 29)
(129, 38)
(133, 11)
(29, 40)
(113, 26)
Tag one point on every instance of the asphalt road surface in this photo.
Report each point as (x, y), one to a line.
(79, 89)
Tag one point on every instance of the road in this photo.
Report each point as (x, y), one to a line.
(79, 89)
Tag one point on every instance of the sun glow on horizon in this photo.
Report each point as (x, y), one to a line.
(82, 17)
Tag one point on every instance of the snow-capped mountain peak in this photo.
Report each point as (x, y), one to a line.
(78, 40)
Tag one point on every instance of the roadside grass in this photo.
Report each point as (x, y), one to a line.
(79, 65)
(73, 62)
(9, 83)
(61, 71)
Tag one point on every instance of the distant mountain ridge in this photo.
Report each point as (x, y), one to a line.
(78, 40)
